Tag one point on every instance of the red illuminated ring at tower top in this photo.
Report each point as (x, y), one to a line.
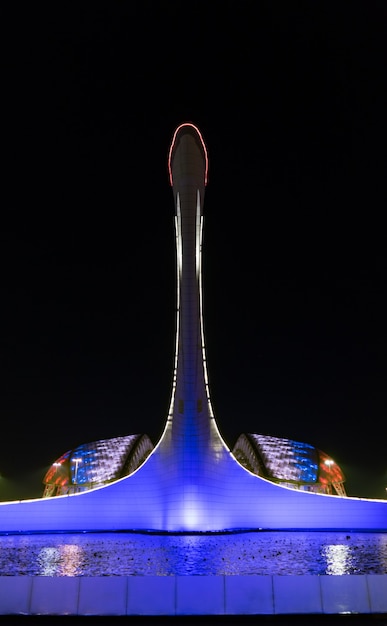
(173, 145)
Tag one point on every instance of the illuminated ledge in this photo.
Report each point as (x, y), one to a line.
(193, 595)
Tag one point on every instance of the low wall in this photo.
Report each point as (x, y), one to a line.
(193, 595)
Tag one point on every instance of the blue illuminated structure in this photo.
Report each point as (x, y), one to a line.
(191, 481)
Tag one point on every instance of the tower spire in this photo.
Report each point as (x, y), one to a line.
(190, 417)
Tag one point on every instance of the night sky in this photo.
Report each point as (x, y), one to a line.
(291, 100)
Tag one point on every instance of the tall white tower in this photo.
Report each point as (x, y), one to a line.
(191, 482)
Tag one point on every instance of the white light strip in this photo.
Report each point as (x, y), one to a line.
(198, 242)
(202, 341)
(204, 360)
(179, 240)
(179, 258)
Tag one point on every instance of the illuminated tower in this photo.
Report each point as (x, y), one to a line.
(191, 481)
(193, 455)
(191, 417)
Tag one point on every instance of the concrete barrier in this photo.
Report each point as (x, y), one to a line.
(193, 595)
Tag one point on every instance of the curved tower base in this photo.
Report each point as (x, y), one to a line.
(224, 497)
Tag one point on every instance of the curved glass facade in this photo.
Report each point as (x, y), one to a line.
(296, 464)
(95, 464)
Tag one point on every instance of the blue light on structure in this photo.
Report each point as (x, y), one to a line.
(306, 465)
(190, 481)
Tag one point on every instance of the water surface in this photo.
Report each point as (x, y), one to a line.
(132, 554)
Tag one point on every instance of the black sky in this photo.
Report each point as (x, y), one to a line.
(291, 99)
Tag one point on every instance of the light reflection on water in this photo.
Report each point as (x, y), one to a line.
(131, 554)
(63, 560)
(338, 559)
